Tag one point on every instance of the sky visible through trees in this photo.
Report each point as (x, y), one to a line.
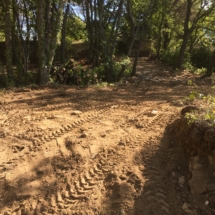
(181, 31)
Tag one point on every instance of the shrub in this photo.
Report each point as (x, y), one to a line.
(206, 110)
(200, 57)
(171, 58)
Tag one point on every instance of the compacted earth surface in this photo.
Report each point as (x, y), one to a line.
(103, 150)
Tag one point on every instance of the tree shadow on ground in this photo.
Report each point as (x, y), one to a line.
(81, 99)
(152, 187)
(30, 193)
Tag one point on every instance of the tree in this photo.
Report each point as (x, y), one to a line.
(103, 19)
(7, 8)
(146, 14)
(201, 10)
(49, 23)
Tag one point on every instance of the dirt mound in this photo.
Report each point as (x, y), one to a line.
(196, 137)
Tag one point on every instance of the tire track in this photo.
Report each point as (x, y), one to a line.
(75, 192)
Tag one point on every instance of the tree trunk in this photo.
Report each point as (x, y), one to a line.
(89, 29)
(48, 33)
(58, 20)
(103, 45)
(146, 13)
(210, 66)
(185, 35)
(112, 43)
(132, 28)
(166, 37)
(97, 38)
(133, 34)
(116, 26)
(8, 42)
(16, 43)
(23, 44)
(42, 67)
(134, 69)
(63, 33)
(160, 28)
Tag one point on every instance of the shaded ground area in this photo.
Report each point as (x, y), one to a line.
(103, 150)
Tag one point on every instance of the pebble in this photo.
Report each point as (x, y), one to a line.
(181, 180)
(83, 135)
(173, 174)
(154, 112)
(207, 202)
(76, 112)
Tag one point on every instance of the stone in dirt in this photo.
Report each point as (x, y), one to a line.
(188, 210)
(198, 182)
(76, 112)
(154, 112)
(83, 135)
(181, 180)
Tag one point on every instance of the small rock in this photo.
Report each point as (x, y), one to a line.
(173, 174)
(181, 180)
(60, 205)
(122, 143)
(185, 207)
(76, 112)
(139, 126)
(122, 177)
(154, 112)
(188, 210)
(94, 155)
(83, 135)
(121, 212)
(82, 129)
(114, 106)
(207, 202)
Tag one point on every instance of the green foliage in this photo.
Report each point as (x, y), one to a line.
(200, 57)
(206, 111)
(187, 64)
(6, 82)
(75, 73)
(171, 58)
(191, 117)
(200, 71)
(190, 82)
(2, 37)
(75, 29)
(102, 84)
(118, 66)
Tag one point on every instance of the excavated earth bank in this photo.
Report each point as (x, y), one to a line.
(198, 140)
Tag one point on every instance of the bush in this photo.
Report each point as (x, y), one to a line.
(200, 57)
(205, 108)
(171, 58)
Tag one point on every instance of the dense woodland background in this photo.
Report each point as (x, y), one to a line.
(85, 42)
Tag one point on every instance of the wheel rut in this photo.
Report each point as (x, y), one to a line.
(90, 154)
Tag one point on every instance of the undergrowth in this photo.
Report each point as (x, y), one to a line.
(205, 108)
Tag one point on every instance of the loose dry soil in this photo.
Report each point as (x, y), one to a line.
(102, 151)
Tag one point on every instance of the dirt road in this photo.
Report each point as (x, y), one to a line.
(103, 151)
